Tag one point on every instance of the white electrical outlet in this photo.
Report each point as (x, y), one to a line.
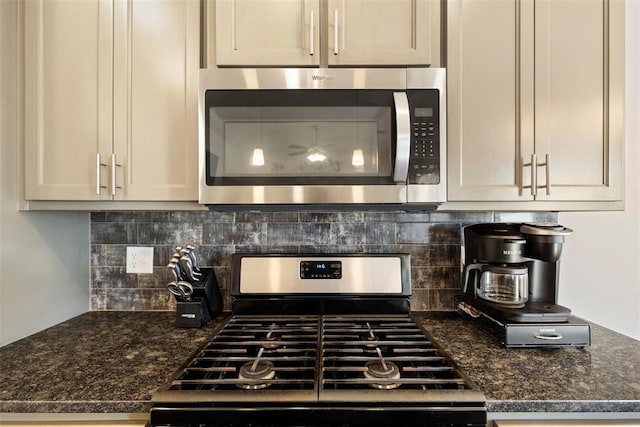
(139, 259)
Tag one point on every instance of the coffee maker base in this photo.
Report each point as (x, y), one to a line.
(531, 312)
(570, 333)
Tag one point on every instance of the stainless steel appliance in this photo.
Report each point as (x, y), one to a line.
(511, 281)
(322, 136)
(319, 340)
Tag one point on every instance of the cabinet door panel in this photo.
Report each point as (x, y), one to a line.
(156, 61)
(67, 98)
(383, 32)
(258, 32)
(485, 101)
(576, 83)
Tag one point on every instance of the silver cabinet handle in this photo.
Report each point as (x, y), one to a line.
(403, 137)
(113, 174)
(534, 174)
(311, 32)
(547, 173)
(99, 165)
(335, 32)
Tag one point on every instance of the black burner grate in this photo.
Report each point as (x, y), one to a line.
(271, 354)
(382, 352)
(256, 353)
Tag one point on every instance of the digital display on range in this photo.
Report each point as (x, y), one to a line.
(320, 269)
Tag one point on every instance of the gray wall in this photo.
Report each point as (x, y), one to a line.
(432, 239)
(44, 274)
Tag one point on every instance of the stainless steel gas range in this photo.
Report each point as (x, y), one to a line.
(319, 340)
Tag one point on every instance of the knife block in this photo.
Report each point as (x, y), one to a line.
(192, 314)
(207, 289)
(205, 303)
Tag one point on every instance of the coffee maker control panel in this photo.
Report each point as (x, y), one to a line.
(424, 160)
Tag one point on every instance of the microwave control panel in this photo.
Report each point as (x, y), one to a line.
(424, 158)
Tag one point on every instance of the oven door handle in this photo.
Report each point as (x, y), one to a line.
(403, 137)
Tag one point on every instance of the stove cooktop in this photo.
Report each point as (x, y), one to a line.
(319, 357)
(289, 355)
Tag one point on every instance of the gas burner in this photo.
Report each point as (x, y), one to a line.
(254, 371)
(381, 369)
(262, 370)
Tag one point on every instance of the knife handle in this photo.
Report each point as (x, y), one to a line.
(192, 255)
(185, 262)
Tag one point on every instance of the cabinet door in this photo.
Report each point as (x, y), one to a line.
(156, 62)
(579, 98)
(489, 71)
(274, 33)
(68, 99)
(384, 32)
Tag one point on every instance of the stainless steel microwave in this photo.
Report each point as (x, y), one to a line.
(322, 136)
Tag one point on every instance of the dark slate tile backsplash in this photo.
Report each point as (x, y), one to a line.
(431, 238)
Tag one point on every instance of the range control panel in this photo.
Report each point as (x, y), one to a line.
(320, 269)
(424, 160)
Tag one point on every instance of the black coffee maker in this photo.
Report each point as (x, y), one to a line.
(511, 276)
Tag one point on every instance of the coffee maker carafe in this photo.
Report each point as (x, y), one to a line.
(511, 270)
(505, 285)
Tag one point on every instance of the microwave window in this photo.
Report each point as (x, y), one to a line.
(300, 141)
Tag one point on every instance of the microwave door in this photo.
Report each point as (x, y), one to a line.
(306, 147)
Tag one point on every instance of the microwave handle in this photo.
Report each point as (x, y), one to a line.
(403, 137)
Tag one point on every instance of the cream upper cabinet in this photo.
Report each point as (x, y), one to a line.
(260, 32)
(384, 32)
(111, 100)
(68, 98)
(484, 101)
(535, 93)
(155, 124)
(579, 98)
(326, 33)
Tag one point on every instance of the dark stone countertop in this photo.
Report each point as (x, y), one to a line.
(112, 362)
(98, 362)
(604, 377)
